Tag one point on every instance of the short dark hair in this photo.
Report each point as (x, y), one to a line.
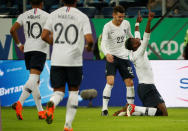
(36, 2)
(128, 44)
(69, 2)
(119, 9)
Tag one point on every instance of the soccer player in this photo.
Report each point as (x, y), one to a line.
(35, 51)
(147, 91)
(114, 35)
(69, 26)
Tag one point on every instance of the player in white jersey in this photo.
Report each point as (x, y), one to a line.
(147, 91)
(70, 29)
(114, 35)
(35, 51)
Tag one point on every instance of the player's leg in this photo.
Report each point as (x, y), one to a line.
(126, 73)
(139, 110)
(37, 63)
(58, 81)
(28, 87)
(150, 97)
(162, 111)
(74, 81)
(110, 73)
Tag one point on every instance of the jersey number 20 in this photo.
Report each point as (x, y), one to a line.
(59, 26)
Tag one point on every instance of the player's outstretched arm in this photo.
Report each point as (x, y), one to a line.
(13, 32)
(150, 17)
(89, 42)
(47, 36)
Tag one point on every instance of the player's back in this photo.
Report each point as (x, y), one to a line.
(69, 25)
(33, 22)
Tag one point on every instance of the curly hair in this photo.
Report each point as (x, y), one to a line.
(128, 44)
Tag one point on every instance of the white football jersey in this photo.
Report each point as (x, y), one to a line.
(69, 25)
(141, 62)
(33, 22)
(114, 37)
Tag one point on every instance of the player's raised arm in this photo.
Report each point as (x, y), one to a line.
(13, 32)
(150, 17)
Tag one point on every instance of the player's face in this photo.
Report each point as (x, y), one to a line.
(135, 43)
(118, 17)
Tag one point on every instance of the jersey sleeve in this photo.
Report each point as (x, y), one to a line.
(86, 26)
(20, 20)
(48, 25)
(137, 34)
(129, 34)
(141, 50)
(104, 41)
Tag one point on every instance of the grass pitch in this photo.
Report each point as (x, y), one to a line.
(89, 119)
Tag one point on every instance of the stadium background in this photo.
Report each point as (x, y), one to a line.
(170, 70)
(13, 74)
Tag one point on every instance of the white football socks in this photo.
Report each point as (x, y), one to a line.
(106, 96)
(37, 97)
(28, 87)
(72, 105)
(57, 97)
(130, 95)
(146, 111)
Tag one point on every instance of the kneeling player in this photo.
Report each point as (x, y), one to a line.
(152, 101)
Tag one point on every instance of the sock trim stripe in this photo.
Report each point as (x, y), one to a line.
(74, 106)
(130, 97)
(28, 90)
(106, 97)
(146, 113)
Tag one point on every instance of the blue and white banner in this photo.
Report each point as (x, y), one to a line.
(13, 76)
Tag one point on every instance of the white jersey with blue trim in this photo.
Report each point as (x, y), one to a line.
(114, 37)
(33, 22)
(69, 26)
(142, 63)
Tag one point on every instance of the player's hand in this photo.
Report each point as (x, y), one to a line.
(139, 18)
(21, 48)
(151, 15)
(89, 47)
(109, 58)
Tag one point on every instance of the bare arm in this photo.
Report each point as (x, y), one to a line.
(13, 32)
(47, 36)
(150, 17)
(89, 42)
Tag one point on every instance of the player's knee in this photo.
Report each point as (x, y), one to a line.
(161, 112)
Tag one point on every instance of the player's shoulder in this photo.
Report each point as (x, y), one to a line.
(44, 12)
(126, 22)
(108, 24)
(80, 14)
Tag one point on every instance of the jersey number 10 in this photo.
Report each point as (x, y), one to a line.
(30, 29)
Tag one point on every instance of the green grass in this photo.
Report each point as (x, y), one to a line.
(89, 119)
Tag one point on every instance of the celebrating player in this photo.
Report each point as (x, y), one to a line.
(69, 27)
(147, 91)
(35, 51)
